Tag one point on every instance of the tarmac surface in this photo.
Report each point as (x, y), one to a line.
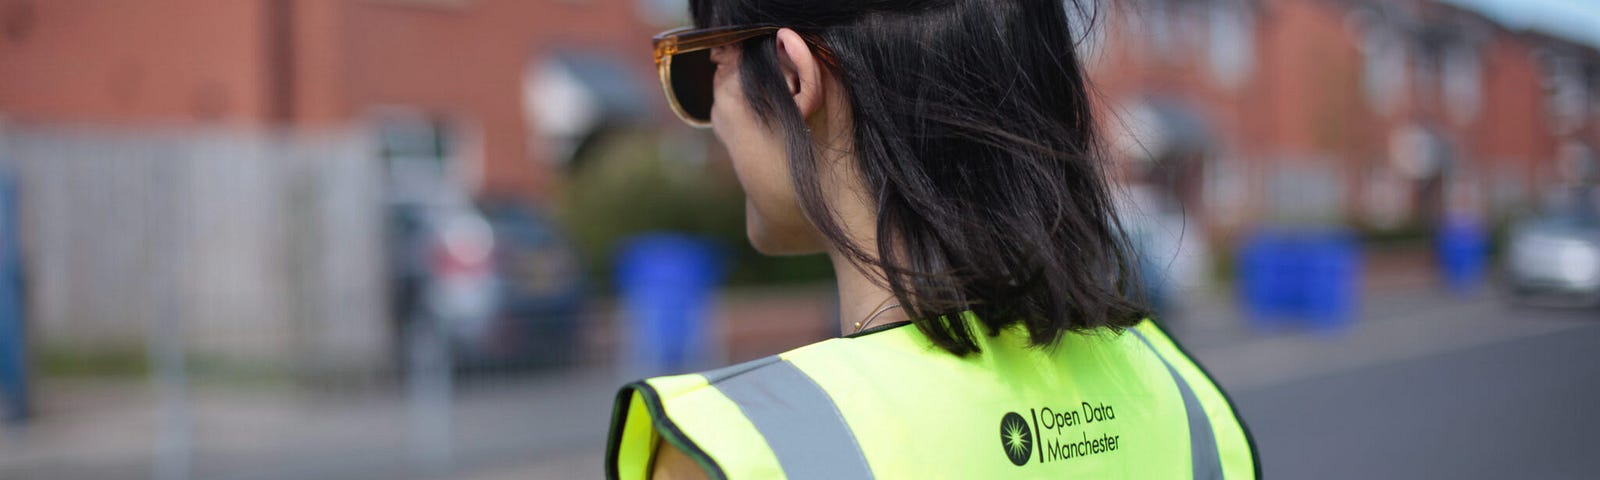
(1513, 408)
(1421, 385)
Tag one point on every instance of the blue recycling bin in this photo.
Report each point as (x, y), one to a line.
(14, 397)
(1462, 252)
(1299, 278)
(666, 281)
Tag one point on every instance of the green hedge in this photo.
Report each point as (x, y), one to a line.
(632, 182)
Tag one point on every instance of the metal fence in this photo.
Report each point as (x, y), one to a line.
(237, 285)
(259, 249)
(210, 303)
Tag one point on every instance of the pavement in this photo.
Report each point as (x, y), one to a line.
(545, 426)
(1421, 384)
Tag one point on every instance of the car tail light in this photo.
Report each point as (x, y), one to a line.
(465, 248)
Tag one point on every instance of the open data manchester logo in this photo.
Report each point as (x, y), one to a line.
(1016, 438)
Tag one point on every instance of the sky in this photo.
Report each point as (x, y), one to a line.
(1576, 20)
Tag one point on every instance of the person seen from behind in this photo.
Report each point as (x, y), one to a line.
(944, 154)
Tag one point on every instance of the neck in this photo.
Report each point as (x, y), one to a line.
(860, 296)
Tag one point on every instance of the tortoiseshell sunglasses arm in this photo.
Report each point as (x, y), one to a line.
(689, 39)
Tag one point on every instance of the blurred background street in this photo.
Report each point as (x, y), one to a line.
(1424, 386)
(379, 239)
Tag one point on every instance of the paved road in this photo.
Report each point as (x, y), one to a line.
(1421, 386)
(1523, 408)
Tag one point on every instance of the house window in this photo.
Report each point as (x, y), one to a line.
(1463, 83)
(1592, 72)
(664, 13)
(418, 153)
(1384, 65)
(1230, 46)
(1565, 93)
(1387, 203)
(1225, 188)
(1159, 31)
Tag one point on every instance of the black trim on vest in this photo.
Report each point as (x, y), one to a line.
(665, 427)
(619, 420)
(880, 328)
(1233, 407)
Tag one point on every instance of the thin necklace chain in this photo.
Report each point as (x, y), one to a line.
(880, 309)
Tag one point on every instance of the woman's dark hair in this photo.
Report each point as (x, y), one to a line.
(973, 131)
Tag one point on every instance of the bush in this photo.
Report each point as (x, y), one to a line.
(631, 182)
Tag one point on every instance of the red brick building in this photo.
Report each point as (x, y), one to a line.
(1377, 114)
(1345, 103)
(462, 66)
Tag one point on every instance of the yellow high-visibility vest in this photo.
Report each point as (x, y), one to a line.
(890, 404)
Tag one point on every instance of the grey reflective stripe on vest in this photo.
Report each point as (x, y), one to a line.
(1202, 443)
(797, 418)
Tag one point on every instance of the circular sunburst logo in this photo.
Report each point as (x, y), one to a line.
(1016, 438)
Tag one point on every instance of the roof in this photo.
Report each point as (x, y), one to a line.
(1572, 20)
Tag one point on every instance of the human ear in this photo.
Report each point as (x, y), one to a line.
(801, 71)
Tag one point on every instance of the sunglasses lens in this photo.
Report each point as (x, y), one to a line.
(691, 83)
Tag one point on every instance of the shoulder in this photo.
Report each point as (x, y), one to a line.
(706, 416)
(672, 464)
(1235, 445)
(727, 419)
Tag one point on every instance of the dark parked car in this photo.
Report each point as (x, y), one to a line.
(503, 283)
(442, 275)
(540, 292)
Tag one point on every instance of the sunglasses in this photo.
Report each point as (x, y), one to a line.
(683, 61)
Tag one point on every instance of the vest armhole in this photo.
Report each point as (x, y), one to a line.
(638, 394)
(1233, 407)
